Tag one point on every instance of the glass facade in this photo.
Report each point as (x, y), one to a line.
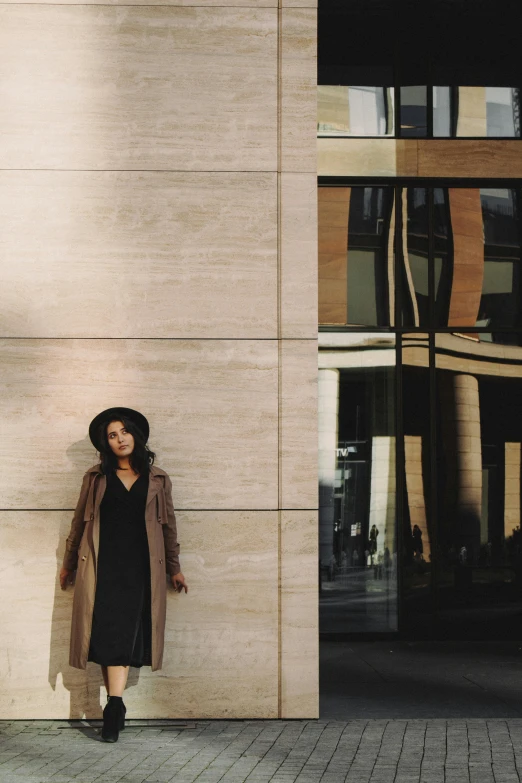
(355, 111)
(420, 395)
(429, 111)
(357, 530)
(428, 257)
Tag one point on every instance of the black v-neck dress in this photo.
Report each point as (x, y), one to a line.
(121, 625)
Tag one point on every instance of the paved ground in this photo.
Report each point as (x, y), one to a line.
(390, 712)
(359, 751)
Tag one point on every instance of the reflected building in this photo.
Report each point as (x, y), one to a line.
(420, 330)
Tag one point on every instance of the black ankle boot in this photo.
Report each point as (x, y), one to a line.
(112, 717)
(122, 714)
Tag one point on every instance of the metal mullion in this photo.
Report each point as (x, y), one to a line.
(433, 505)
(398, 256)
(399, 480)
(518, 202)
(429, 110)
(431, 260)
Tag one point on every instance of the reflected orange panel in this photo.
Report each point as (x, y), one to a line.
(334, 208)
(468, 256)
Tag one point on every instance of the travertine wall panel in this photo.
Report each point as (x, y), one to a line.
(101, 87)
(298, 255)
(212, 405)
(147, 254)
(186, 3)
(298, 89)
(221, 653)
(299, 615)
(298, 425)
(159, 250)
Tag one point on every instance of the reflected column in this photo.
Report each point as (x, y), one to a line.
(463, 455)
(328, 389)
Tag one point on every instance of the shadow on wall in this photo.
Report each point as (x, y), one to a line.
(86, 689)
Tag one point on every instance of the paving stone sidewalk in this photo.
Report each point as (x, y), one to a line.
(258, 751)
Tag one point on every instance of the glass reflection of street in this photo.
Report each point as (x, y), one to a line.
(420, 423)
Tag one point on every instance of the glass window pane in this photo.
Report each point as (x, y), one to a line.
(414, 111)
(415, 267)
(488, 112)
(355, 111)
(442, 112)
(479, 437)
(370, 257)
(356, 256)
(502, 111)
(485, 235)
(417, 522)
(357, 528)
(499, 303)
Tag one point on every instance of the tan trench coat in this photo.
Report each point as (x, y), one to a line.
(81, 553)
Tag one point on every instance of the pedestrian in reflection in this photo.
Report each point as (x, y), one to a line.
(373, 542)
(122, 539)
(417, 542)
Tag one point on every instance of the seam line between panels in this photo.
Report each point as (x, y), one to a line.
(163, 5)
(178, 508)
(279, 359)
(166, 339)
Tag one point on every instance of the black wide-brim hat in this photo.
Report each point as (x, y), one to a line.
(112, 414)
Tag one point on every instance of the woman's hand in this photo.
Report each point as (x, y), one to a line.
(178, 582)
(66, 578)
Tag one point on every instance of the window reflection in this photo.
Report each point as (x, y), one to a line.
(415, 268)
(479, 423)
(463, 111)
(355, 111)
(499, 303)
(485, 288)
(445, 111)
(417, 522)
(357, 528)
(466, 257)
(370, 256)
(356, 256)
(480, 112)
(414, 111)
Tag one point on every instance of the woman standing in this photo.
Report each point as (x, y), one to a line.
(123, 539)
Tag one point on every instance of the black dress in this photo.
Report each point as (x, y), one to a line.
(121, 625)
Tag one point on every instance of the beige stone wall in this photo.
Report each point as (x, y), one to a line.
(159, 251)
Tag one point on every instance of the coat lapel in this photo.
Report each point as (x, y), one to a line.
(155, 485)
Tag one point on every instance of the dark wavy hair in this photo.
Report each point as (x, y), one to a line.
(141, 458)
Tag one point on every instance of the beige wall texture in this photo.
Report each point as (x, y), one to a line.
(158, 250)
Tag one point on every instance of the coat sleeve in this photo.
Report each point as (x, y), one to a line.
(70, 560)
(170, 533)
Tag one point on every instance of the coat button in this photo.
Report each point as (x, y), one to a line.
(159, 519)
(161, 561)
(84, 557)
(92, 516)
